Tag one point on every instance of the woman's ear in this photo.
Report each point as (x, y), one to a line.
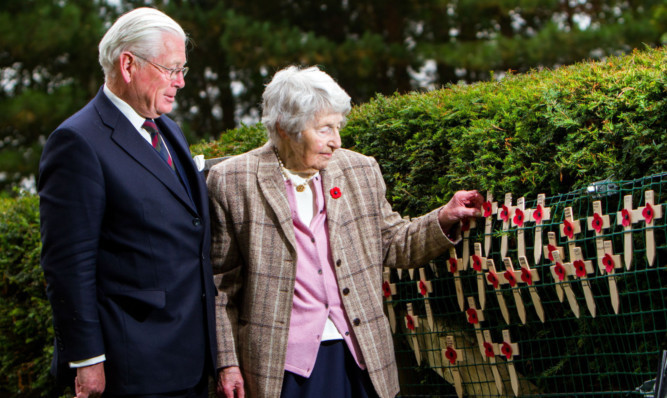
(281, 132)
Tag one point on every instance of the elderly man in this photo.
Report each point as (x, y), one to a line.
(125, 227)
(301, 233)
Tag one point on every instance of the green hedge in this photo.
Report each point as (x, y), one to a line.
(546, 131)
(26, 341)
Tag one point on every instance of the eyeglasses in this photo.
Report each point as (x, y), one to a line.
(173, 72)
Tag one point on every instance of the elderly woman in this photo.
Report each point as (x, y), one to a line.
(301, 233)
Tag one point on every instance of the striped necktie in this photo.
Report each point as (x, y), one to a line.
(158, 142)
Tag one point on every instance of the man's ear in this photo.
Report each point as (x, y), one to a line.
(128, 66)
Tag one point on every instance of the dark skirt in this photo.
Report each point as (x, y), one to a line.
(335, 375)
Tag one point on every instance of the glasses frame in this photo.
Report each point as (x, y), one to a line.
(173, 72)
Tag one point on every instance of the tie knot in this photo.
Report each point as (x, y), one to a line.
(150, 126)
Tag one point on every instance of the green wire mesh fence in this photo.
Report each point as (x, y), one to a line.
(585, 315)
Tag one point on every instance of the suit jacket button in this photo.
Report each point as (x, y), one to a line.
(346, 291)
(196, 222)
(338, 263)
(356, 322)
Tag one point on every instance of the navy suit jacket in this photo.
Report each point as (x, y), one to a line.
(126, 252)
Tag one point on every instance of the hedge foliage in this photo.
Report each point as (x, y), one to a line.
(26, 340)
(543, 132)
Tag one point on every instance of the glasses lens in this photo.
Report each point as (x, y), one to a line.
(173, 75)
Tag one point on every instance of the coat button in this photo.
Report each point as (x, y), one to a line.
(196, 222)
(346, 291)
(338, 262)
(356, 322)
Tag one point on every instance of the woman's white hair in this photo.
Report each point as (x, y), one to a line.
(139, 31)
(296, 96)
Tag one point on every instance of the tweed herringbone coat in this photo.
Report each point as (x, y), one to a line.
(254, 260)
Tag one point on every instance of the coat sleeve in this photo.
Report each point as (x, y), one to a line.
(227, 271)
(408, 243)
(72, 202)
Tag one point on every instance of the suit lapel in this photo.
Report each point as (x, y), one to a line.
(126, 137)
(272, 187)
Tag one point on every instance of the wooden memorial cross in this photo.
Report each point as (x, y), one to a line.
(412, 323)
(569, 228)
(505, 215)
(597, 223)
(466, 225)
(388, 290)
(453, 267)
(513, 277)
(474, 316)
(490, 351)
(450, 358)
(610, 263)
(649, 213)
(529, 277)
(538, 215)
(490, 208)
(479, 265)
(560, 272)
(626, 217)
(582, 268)
(424, 287)
(495, 280)
(518, 219)
(551, 246)
(509, 350)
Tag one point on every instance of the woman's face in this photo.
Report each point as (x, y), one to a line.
(318, 141)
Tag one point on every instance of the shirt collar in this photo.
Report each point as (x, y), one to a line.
(136, 119)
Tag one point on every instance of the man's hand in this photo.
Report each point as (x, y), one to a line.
(90, 381)
(463, 205)
(230, 381)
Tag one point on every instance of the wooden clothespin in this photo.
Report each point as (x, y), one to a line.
(626, 217)
(650, 212)
(424, 287)
(582, 268)
(551, 246)
(569, 228)
(560, 272)
(479, 265)
(388, 290)
(513, 277)
(474, 316)
(538, 215)
(453, 267)
(412, 323)
(518, 219)
(529, 277)
(490, 208)
(466, 226)
(450, 358)
(505, 214)
(610, 263)
(509, 350)
(496, 280)
(490, 351)
(598, 222)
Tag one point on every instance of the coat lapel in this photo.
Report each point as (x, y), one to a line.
(125, 136)
(272, 187)
(332, 177)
